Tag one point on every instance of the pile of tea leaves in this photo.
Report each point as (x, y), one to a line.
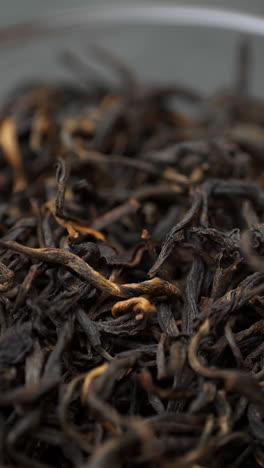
(131, 273)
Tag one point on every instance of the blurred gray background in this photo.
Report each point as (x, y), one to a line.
(201, 58)
(13, 11)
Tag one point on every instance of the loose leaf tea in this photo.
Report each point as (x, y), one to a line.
(131, 273)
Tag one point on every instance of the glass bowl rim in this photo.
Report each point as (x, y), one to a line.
(75, 18)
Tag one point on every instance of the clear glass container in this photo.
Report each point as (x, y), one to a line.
(188, 45)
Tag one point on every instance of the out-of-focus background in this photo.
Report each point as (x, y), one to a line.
(203, 58)
(13, 11)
